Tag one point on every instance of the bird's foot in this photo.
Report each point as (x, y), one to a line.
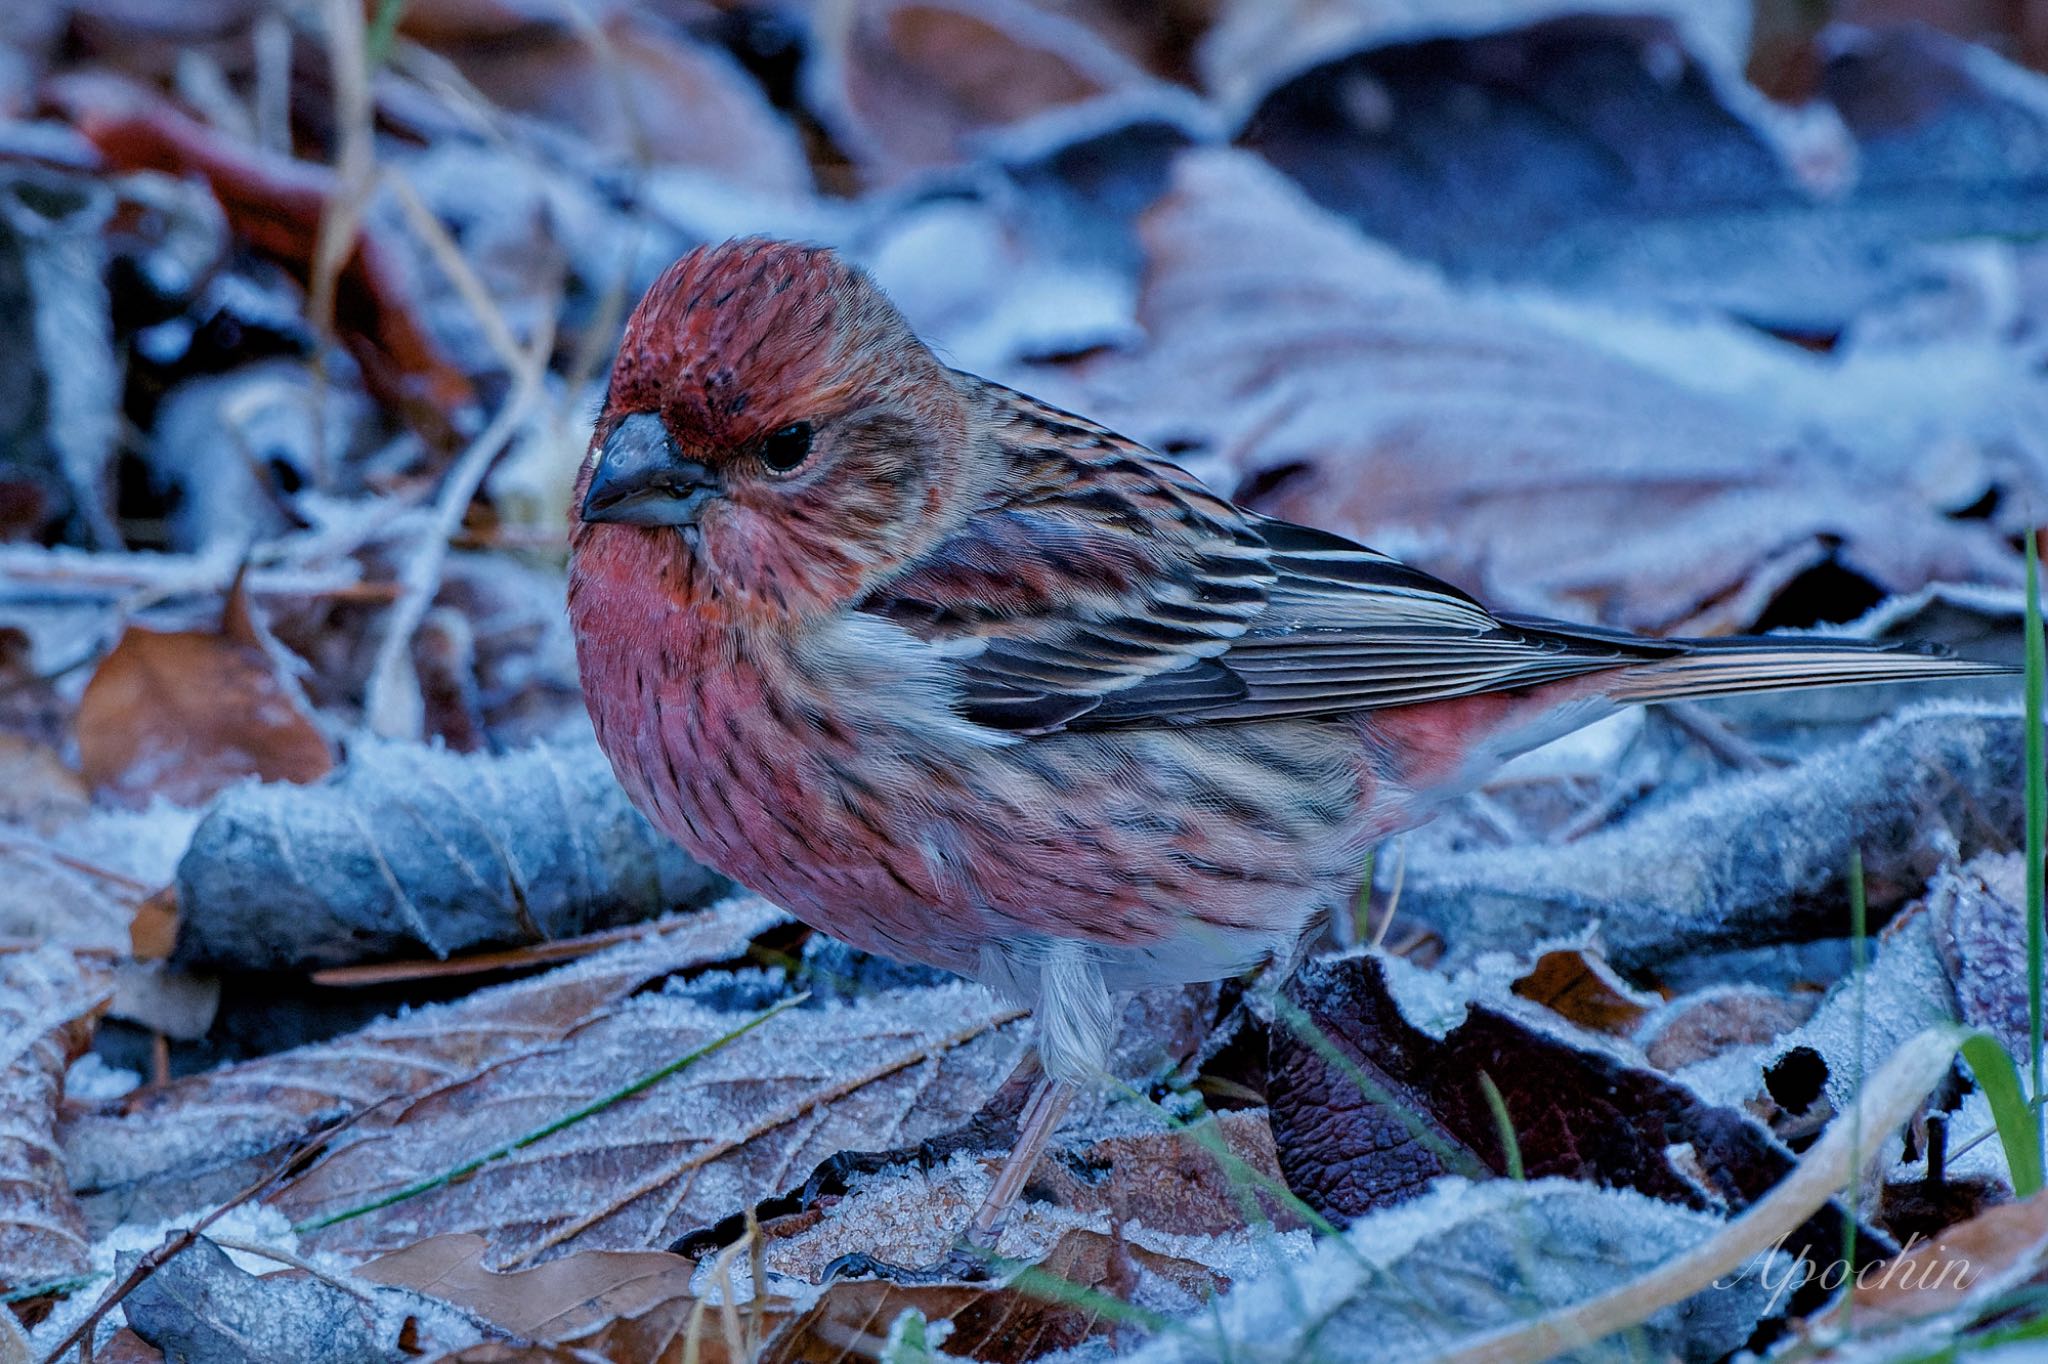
(961, 1264)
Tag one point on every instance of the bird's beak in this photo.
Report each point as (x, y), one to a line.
(641, 478)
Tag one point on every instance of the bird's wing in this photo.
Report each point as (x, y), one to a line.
(1104, 586)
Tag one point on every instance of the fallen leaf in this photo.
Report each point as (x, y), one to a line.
(907, 84)
(48, 1001)
(1972, 1262)
(733, 1127)
(638, 1307)
(1580, 986)
(200, 1305)
(163, 1151)
(1350, 1145)
(184, 714)
(411, 850)
(1409, 1283)
(1703, 1025)
(1980, 923)
(632, 86)
(551, 1302)
(1691, 876)
(1620, 155)
(1348, 388)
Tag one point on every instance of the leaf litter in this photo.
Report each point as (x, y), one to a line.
(309, 318)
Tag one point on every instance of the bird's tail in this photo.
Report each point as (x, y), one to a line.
(1723, 667)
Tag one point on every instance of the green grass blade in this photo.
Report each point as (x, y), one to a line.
(2037, 821)
(2019, 1130)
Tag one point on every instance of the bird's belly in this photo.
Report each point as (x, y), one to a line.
(1178, 854)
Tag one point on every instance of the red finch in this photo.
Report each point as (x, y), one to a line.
(962, 678)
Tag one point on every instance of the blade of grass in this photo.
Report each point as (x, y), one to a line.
(1511, 1148)
(1859, 950)
(1992, 1066)
(2037, 827)
(570, 1119)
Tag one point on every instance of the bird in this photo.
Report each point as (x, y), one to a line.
(964, 679)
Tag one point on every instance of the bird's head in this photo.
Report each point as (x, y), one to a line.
(774, 433)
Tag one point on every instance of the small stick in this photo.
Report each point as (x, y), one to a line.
(476, 963)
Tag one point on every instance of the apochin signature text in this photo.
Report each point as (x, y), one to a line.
(1784, 1272)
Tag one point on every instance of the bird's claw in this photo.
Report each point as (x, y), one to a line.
(959, 1265)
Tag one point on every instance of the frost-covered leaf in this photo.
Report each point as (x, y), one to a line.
(731, 1127)
(202, 1307)
(1980, 924)
(82, 884)
(1415, 1280)
(1616, 155)
(411, 849)
(48, 999)
(1395, 1106)
(184, 713)
(1752, 859)
(161, 1152)
(1348, 388)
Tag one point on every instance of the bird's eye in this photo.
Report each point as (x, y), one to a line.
(783, 450)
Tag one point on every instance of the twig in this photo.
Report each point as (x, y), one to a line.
(298, 1262)
(421, 577)
(591, 1109)
(1889, 1100)
(355, 170)
(539, 954)
(177, 1243)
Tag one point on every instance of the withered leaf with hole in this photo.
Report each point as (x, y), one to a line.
(162, 1152)
(48, 999)
(1576, 1112)
(739, 1123)
(183, 714)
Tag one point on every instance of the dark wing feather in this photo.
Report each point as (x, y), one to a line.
(1107, 587)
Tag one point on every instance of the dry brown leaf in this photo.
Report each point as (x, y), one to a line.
(1712, 1021)
(183, 713)
(1350, 389)
(48, 999)
(1579, 985)
(551, 1302)
(1970, 1262)
(906, 84)
(741, 1123)
(633, 86)
(163, 1151)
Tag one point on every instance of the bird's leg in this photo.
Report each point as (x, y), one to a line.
(1041, 1118)
(970, 1260)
